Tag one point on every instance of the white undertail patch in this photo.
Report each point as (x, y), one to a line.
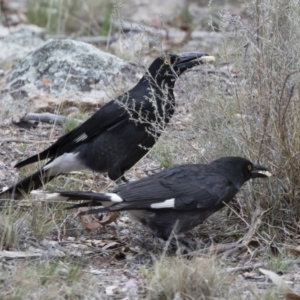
(5, 188)
(169, 203)
(48, 196)
(65, 163)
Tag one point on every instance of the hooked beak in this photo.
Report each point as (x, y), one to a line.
(260, 171)
(190, 59)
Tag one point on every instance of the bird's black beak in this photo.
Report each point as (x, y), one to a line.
(190, 59)
(260, 171)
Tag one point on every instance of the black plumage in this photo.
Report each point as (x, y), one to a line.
(120, 133)
(184, 195)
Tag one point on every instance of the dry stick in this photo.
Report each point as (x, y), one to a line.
(218, 248)
(281, 97)
(137, 27)
(255, 224)
(98, 39)
(243, 268)
(255, 215)
(109, 36)
(49, 118)
(25, 141)
(128, 26)
(18, 254)
(17, 141)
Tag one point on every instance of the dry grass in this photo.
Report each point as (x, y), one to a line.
(71, 16)
(249, 107)
(266, 56)
(45, 279)
(199, 278)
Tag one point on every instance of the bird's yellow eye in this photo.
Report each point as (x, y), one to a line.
(166, 62)
(249, 167)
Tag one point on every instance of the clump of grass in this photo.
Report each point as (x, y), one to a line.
(266, 96)
(29, 218)
(46, 218)
(186, 16)
(22, 147)
(270, 294)
(32, 219)
(50, 279)
(199, 278)
(106, 23)
(250, 107)
(163, 153)
(71, 16)
(72, 122)
(43, 13)
(69, 124)
(8, 232)
(6, 112)
(280, 263)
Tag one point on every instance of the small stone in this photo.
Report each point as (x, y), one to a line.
(111, 290)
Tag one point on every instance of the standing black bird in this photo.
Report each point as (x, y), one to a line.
(184, 195)
(120, 133)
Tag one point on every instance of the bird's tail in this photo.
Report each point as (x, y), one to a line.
(29, 160)
(108, 200)
(23, 187)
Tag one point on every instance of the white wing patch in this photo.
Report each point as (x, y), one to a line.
(169, 203)
(81, 138)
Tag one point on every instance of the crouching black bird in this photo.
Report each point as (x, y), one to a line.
(184, 195)
(120, 133)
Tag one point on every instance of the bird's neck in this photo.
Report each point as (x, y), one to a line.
(160, 81)
(231, 173)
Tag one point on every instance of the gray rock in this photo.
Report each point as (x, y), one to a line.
(64, 71)
(21, 41)
(61, 65)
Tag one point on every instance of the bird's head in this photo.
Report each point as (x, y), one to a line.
(171, 66)
(239, 170)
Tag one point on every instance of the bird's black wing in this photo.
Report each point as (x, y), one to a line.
(109, 117)
(192, 191)
(210, 191)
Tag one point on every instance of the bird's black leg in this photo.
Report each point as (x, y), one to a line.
(123, 178)
(121, 181)
(117, 176)
(183, 245)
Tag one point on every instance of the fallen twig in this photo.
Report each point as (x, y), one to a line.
(49, 118)
(24, 141)
(243, 268)
(18, 254)
(16, 141)
(127, 26)
(98, 39)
